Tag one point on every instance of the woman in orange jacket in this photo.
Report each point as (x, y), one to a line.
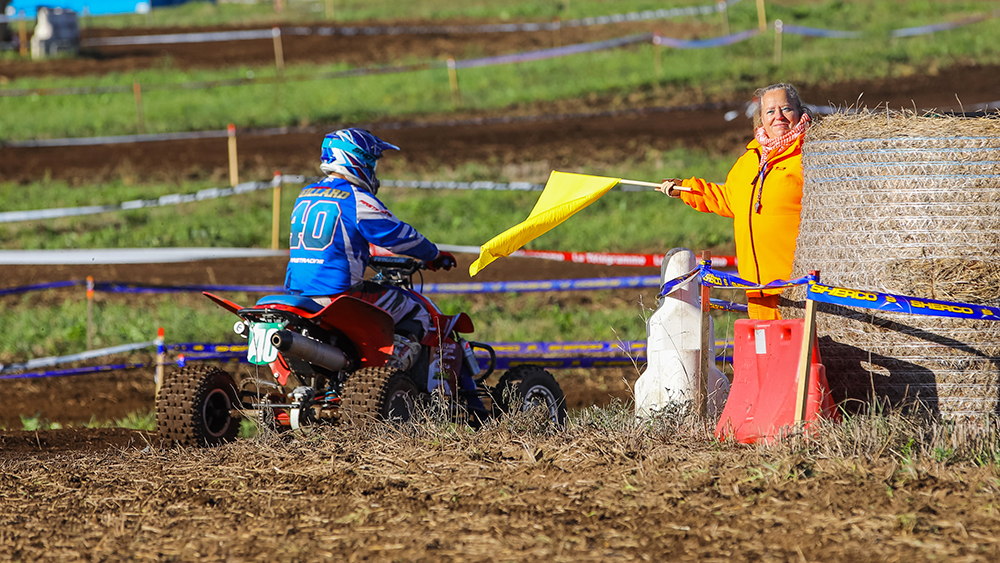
(762, 193)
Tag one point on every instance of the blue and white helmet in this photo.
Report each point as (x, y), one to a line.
(354, 153)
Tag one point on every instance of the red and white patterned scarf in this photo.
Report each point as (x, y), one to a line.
(769, 145)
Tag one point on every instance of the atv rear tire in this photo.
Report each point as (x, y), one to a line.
(194, 407)
(378, 393)
(528, 387)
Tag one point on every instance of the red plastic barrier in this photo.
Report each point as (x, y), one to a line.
(761, 404)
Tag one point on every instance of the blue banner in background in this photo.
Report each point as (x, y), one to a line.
(928, 29)
(727, 305)
(581, 284)
(819, 32)
(708, 43)
(81, 7)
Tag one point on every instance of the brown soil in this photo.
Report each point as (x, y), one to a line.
(593, 493)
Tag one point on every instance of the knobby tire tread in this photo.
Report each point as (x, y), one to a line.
(178, 416)
(364, 394)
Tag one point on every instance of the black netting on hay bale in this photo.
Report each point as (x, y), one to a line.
(905, 204)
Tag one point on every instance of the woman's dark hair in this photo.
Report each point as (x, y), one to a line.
(793, 97)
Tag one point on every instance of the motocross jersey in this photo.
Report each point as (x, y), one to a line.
(332, 224)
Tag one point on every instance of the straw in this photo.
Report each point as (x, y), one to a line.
(908, 204)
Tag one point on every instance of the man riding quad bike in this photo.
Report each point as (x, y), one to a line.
(338, 344)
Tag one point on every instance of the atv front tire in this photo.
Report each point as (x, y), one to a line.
(528, 387)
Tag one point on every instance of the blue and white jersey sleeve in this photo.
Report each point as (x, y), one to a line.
(380, 227)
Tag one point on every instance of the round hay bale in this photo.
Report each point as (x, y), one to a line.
(906, 204)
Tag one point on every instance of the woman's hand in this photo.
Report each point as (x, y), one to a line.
(671, 187)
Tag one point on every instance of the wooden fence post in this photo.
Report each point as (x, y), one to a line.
(22, 33)
(777, 42)
(724, 8)
(279, 54)
(805, 356)
(234, 173)
(657, 53)
(453, 81)
(276, 211)
(761, 17)
(140, 114)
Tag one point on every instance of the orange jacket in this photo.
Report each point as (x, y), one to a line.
(765, 234)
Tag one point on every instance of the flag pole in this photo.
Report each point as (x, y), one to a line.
(651, 185)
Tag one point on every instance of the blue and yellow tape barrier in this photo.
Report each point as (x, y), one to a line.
(579, 284)
(562, 355)
(888, 302)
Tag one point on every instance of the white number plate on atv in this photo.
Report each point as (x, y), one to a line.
(260, 350)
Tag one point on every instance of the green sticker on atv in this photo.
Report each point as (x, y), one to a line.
(260, 350)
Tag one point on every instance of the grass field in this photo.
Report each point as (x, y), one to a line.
(359, 11)
(849, 13)
(719, 73)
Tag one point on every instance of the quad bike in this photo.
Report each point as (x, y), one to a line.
(315, 365)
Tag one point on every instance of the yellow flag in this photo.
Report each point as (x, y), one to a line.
(564, 195)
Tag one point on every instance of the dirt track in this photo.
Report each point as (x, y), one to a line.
(516, 493)
(601, 493)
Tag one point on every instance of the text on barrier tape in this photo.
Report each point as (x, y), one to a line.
(892, 303)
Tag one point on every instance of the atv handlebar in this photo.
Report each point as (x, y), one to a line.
(406, 266)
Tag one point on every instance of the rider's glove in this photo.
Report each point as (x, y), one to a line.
(444, 261)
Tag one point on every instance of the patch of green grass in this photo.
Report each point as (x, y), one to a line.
(719, 73)
(36, 422)
(138, 420)
(238, 221)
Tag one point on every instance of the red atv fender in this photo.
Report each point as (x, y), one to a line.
(364, 324)
(367, 326)
(447, 353)
(442, 325)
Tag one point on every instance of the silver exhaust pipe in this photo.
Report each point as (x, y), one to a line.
(312, 351)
